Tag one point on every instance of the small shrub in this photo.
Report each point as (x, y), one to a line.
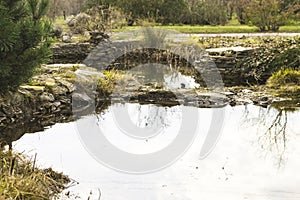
(97, 19)
(284, 77)
(80, 23)
(106, 85)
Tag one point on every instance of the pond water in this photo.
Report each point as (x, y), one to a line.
(256, 157)
(164, 76)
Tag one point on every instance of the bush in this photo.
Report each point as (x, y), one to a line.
(265, 14)
(289, 58)
(284, 77)
(24, 42)
(97, 19)
(80, 24)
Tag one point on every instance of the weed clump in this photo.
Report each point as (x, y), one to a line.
(286, 83)
(106, 85)
(285, 77)
(21, 179)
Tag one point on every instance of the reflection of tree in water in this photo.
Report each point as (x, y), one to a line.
(274, 138)
(156, 116)
(150, 115)
(271, 126)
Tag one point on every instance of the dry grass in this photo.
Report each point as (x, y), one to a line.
(21, 179)
(286, 83)
(285, 77)
(106, 85)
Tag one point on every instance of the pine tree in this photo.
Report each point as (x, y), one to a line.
(24, 40)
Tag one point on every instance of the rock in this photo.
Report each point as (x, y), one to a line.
(26, 93)
(81, 102)
(81, 98)
(33, 88)
(71, 20)
(227, 93)
(65, 100)
(50, 82)
(66, 38)
(243, 101)
(2, 119)
(57, 104)
(264, 98)
(247, 91)
(97, 37)
(59, 90)
(68, 85)
(70, 52)
(47, 97)
(86, 34)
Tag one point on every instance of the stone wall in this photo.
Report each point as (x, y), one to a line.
(107, 54)
(64, 53)
(43, 102)
(227, 60)
(34, 107)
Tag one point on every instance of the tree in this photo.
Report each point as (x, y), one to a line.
(24, 42)
(215, 12)
(240, 6)
(265, 14)
(191, 14)
(172, 11)
(291, 8)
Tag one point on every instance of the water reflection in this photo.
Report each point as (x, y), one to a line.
(152, 115)
(162, 76)
(236, 169)
(272, 125)
(143, 129)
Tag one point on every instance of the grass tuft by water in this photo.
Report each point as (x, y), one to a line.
(286, 82)
(21, 179)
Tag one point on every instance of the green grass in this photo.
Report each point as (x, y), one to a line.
(290, 29)
(59, 21)
(106, 85)
(232, 26)
(286, 83)
(285, 77)
(234, 21)
(212, 29)
(215, 29)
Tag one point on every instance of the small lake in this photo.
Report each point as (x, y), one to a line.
(256, 156)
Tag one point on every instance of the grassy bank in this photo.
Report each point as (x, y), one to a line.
(215, 29)
(232, 26)
(286, 83)
(21, 179)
